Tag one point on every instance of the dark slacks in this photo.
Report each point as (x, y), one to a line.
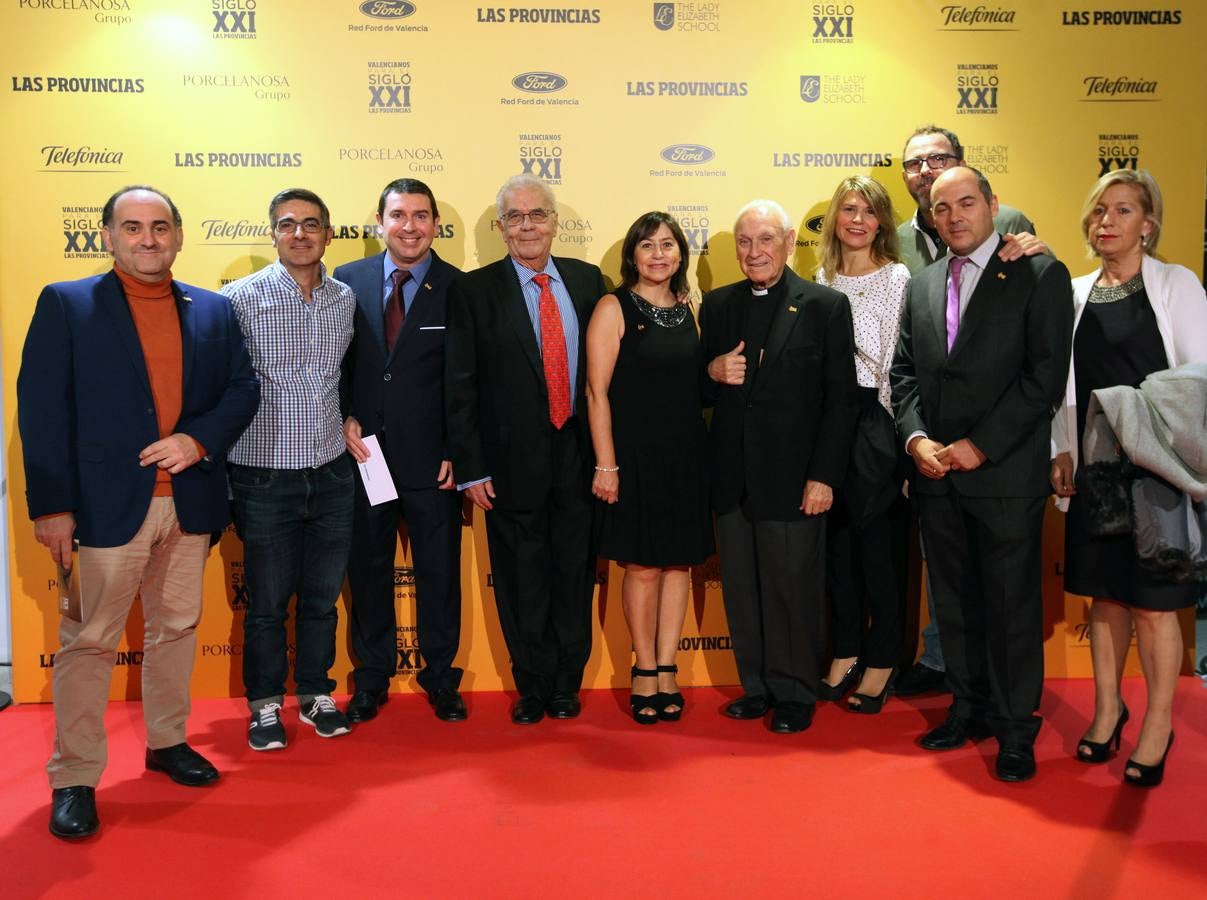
(866, 569)
(773, 582)
(985, 557)
(543, 574)
(296, 528)
(433, 526)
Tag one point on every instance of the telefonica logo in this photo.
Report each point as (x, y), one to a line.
(539, 82)
(687, 154)
(387, 9)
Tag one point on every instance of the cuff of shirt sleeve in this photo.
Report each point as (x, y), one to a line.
(469, 484)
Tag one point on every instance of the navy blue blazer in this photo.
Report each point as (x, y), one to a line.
(399, 396)
(85, 409)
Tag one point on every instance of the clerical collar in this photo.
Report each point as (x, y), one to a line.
(775, 289)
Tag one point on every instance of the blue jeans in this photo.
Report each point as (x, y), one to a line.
(296, 527)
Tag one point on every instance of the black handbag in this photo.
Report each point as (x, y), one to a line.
(1104, 492)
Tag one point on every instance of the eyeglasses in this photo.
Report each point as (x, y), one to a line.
(289, 226)
(515, 218)
(936, 161)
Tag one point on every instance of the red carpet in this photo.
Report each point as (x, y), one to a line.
(411, 807)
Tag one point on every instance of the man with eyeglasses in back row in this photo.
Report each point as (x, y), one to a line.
(291, 480)
(929, 151)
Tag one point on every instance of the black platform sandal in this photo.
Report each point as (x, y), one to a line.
(663, 699)
(640, 702)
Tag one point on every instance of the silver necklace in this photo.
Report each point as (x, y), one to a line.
(666, 316)
(1114, 292)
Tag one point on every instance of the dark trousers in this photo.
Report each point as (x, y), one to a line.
(296, 528)
(433, 526)
(985, 556)
(866, 578)
(773, 582)
(544, 575)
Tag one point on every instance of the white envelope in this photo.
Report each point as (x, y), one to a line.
(375, 474)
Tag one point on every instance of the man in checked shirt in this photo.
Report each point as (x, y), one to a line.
(291, 480)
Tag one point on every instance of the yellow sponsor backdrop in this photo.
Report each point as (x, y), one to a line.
(624, 106)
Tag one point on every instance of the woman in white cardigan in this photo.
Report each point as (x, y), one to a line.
(1134, 316)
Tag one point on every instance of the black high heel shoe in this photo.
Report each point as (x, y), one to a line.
(663, 699)
(1101, 752)
(868, 704)
(1150, 776)
(827, 691)
(639, 702)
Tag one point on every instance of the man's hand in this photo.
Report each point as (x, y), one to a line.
(175, 453)
(445, 479)
(482, 494)
(925, 454)
(961, 456)
(56, 533)
(606, 486)
(352, 440)
(1062, 475)
(1016, 246)
(818, 498)
(729, 368)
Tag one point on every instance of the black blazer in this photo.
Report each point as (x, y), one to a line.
(85, 408)
(495, 393)
(400, 397)
(794, 418)
(1005, 374)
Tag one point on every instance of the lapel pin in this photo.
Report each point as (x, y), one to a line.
(428, 285)
(640, 327)
(1001, 275)
(791, 309)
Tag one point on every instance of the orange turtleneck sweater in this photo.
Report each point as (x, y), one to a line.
(153, 308)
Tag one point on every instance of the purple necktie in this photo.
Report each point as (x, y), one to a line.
(953, 300)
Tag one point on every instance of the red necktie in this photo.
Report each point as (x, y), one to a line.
(553, 353)
(394, 309)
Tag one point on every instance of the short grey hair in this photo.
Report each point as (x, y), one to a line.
(765, 208)
(519, 182)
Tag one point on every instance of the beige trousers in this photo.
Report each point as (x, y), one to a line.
(163, 565)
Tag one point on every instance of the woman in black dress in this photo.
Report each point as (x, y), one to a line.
(643, 403)
(1133, 317)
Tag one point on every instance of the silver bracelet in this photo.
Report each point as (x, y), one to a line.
(607, 469)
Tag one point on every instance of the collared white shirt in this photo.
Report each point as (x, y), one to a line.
(974, 268)
(296, 349)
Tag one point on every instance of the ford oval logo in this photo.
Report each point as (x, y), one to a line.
(687, 154)
(539, 82)
(814, 224)
(387, 9)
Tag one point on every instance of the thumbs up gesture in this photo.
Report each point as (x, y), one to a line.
(729, 368)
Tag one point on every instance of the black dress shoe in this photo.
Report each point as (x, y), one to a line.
(449, 705)
(528, 711)
(563, 705)
(954, 732)
(362, 706)
(790, 717)
(73, 812)
(750, 706)
(1015, 762)
(182, 764)
(921, 679)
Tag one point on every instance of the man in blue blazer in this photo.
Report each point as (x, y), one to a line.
(132, 386)
(394, 389)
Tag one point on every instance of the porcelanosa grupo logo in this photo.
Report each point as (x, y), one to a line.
(977, 87)
(82, 233)
(418, 160)
(104, 12)
(541, 155)
(832, 88)
(833, 23)
(233, 19)
(389, 83)
(81, 158)
(958, 17)
(273, 86)
(1118, 151)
